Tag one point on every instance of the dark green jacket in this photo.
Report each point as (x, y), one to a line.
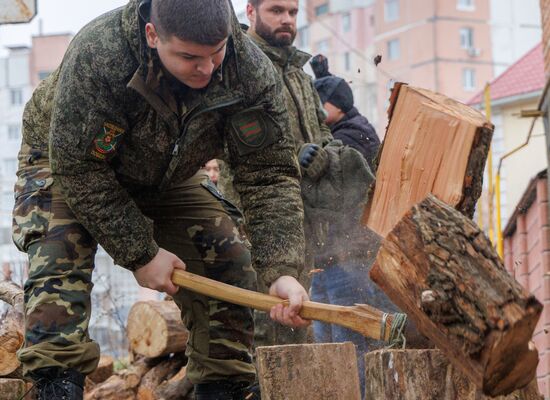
(114, 130)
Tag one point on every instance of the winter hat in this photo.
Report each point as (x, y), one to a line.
(335, 91)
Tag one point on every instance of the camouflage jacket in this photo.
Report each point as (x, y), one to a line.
(301, 98)
(115, 135)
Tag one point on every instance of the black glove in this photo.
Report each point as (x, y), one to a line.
(313, 160)
(319, 65)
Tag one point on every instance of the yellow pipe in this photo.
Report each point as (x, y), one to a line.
(500, 242)
(490, 165)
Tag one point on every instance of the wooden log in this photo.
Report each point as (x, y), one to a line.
(175, 388)
(309, 371)
(158, 374)
(12, 389)
(155, 329)
(104, 369)
(439, 268)
(13, 295)
(424, 375)
(433, 144)
(11, 339)
(114, 388)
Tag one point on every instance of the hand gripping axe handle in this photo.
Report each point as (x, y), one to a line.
(361, 318)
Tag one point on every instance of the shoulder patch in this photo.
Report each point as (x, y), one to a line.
(251, 131)
(106, 141)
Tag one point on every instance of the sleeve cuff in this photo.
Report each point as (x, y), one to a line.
(270, 275)
(150, 252)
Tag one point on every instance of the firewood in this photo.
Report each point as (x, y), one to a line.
(12, 388)
(425, 374)
(309, 371)
(104, 369)
(444, 273)
(176, 388)
(11, 329)
(155, 329)
(433, 145)
(158, 374)
(114, 388)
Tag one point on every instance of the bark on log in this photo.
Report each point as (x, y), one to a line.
(155, 329)
(424, 375)
(176, 388)
(12, 389)
(310, 371)
(439, 268)
(433, 144)
(160, 373)
(104, 369)
(114, 388)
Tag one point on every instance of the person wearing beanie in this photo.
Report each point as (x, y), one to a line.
(345, 121)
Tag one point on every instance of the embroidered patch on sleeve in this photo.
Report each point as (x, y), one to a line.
(106, 142)
(251, 131)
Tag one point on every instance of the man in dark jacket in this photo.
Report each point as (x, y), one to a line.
(345, 121)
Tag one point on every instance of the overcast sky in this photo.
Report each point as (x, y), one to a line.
(60, 16)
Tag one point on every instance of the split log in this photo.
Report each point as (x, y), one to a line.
(12, 389)
(114, 388)
(439, 268)
(155, 329)
(424, 375)
(433, 144)
(309, 371)
(175, 388)
(160, 373)
(104, 369)
(11, 329)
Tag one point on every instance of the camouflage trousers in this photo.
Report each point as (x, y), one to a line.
(192, 220)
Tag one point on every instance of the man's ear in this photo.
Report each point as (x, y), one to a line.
(251, 14)
(151, 35)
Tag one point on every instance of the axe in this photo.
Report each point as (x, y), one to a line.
(362, 318)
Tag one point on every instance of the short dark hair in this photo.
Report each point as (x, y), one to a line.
(255, 3)
(205, 22)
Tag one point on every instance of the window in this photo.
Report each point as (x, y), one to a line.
(10, 166)
(465, 5)
(391, 10)
(469, 79)
(347, 61)
(467, 38)
(43, 74)
(303, 37)
(16, 97)
(372, 21)
(13, 132)
(323, 47)
(321, 10)
(394, 49)
(346, 22)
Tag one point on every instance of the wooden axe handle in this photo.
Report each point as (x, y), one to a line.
(361, 318)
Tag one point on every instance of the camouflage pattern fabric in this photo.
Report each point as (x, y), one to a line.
(120, 138)
(307, 126)
(192, 220)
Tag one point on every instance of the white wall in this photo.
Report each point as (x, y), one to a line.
(516, 29)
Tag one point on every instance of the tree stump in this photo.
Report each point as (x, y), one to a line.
(439, 268)
(424, 375)
(155, 329)
(309, 371)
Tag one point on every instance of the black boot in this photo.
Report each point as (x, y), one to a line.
(227, 390)
(57, 384)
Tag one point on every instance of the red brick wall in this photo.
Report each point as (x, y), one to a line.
(527, 258)
(545, 15)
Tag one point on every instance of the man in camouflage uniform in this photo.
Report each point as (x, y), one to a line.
(273, 29)
(113, 144)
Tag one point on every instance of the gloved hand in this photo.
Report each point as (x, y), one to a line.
(313, 160)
